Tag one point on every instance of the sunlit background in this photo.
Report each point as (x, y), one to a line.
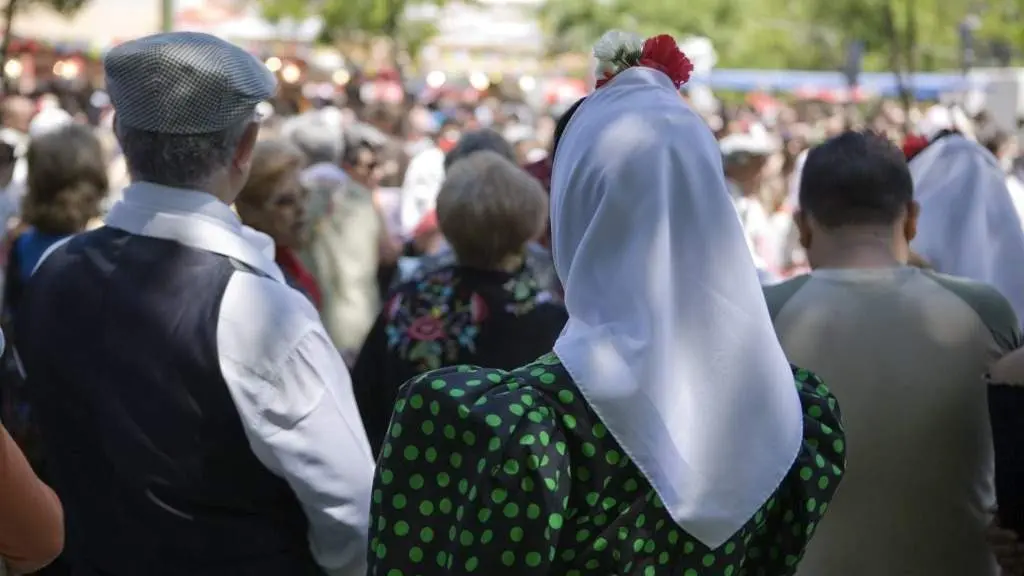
(840, 51)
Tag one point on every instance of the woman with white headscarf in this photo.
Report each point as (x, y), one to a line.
(968, 224)
(665, 434)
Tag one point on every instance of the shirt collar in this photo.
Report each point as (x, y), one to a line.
(195, 219)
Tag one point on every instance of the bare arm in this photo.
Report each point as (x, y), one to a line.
(31, 518)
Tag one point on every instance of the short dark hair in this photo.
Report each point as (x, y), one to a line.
(855, 178)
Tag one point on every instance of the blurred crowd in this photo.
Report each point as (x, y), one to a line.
(318, 342)
(398, 152)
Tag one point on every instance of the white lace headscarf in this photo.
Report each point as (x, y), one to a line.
(669, 338)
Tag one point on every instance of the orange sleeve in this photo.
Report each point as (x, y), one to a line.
(31, 517)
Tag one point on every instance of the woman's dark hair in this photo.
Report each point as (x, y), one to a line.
(67, 180)
(563, 122)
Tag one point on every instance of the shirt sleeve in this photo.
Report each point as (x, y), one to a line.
(32, 522)
(294, 396)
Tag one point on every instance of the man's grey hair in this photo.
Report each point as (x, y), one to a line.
(178, 160)
(318, 134)
(478, 141)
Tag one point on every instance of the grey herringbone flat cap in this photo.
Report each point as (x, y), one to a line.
(184, 83)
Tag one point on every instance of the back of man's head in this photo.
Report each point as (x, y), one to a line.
(185, 109)
(856, 179)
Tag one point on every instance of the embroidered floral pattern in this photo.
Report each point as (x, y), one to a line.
(438, 316)
(525, 294)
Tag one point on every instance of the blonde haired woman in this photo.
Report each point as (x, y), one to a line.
(273, 201)
(481, 310)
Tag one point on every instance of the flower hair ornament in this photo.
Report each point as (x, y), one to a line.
(618, 50)
(913, 145)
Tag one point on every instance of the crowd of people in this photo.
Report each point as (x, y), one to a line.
(627, 339)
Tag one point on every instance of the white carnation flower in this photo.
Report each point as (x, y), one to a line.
(615, 43)
(605, 69)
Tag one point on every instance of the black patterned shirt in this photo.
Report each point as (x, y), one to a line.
(451, 315)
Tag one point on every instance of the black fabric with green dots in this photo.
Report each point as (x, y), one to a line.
(493, 472)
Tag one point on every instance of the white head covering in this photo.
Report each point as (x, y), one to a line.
(423, 179)
(669, 338)
(939, 118)
(754, 142)
(968, 225)
(49, 120)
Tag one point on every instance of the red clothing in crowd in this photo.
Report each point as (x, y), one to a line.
(297, 275)
(541, 170)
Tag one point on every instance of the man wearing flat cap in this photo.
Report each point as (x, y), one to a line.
(197, 416)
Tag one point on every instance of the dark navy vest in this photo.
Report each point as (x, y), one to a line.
(118, 336)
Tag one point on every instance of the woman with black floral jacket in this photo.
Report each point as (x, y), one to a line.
(486, 308)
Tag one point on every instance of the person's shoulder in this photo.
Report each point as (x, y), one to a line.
(550, 308)
(473, 386)
(540, 302)
(430, 268)
(778, 295)
(258, 290)
(991, 307)
(265, 315)
(425, 269)
(71, 245)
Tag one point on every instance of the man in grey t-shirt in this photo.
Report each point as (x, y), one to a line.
(904, 350)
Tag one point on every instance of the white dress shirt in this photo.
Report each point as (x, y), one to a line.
(290, 386)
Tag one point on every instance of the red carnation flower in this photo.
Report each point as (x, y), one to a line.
(662, 53)
(913, 145)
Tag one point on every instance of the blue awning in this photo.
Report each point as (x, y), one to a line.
(925, 85)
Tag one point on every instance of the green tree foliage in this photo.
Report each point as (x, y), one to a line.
(904, 35)
(1001, 27)
(746, 33)
(356, 19)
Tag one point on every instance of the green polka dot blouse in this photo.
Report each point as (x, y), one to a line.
(492, 472)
